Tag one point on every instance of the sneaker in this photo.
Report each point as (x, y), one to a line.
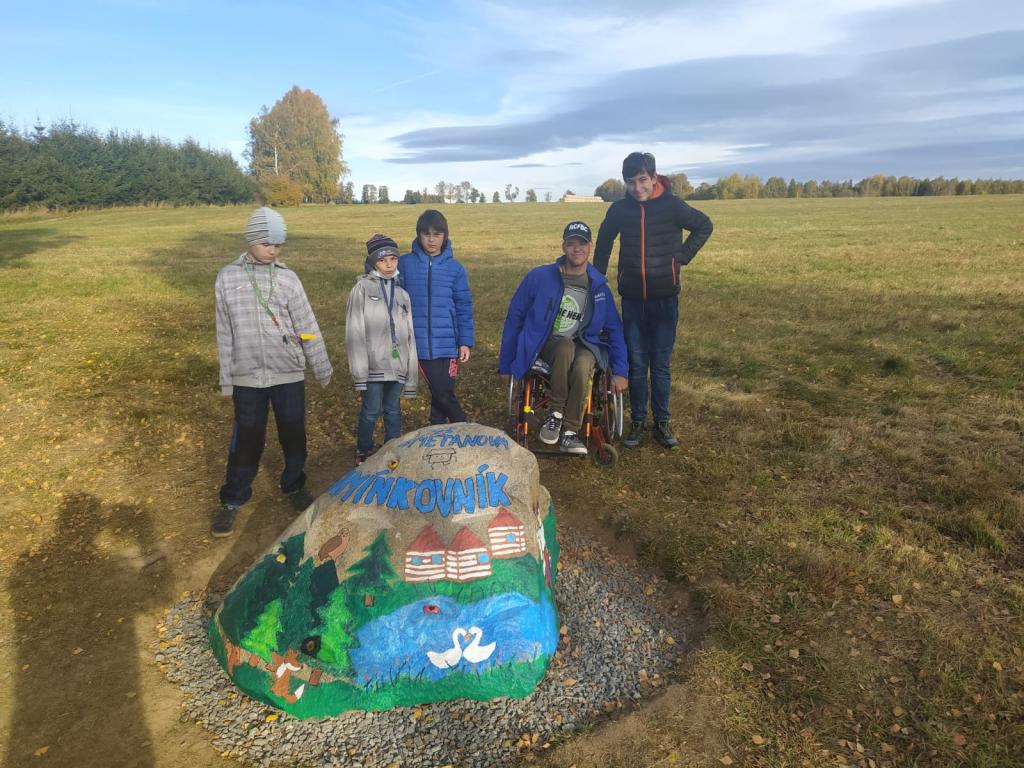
(224, 521)
(551, 428)
(362, 456)
(301, 499)
(637, 433)
(571, 444)
(663, 434)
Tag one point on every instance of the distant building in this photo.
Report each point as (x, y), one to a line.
(507, 535)
(581, 199)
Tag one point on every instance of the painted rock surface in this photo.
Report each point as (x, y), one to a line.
(422, 575)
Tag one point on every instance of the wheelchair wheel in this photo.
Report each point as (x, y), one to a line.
(605, 455)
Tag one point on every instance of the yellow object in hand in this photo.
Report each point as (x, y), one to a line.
(307, 336)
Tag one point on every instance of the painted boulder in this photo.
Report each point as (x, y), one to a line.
(422, 575)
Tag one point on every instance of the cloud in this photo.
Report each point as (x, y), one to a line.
(833, 102)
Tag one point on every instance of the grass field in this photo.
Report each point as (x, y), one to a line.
(847, 511)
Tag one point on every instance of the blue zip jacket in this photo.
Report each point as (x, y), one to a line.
(442, 306)
(531, 316)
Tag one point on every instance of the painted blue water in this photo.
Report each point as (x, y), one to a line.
(397, 645)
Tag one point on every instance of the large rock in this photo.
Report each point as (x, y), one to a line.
(422, 575)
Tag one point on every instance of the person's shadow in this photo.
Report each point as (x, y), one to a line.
(75, 600)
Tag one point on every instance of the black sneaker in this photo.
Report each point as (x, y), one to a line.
(300, 499)
(637, 433)
(663, 434)
(362, 456)
(224, 521)
(571, 444)
(551, 428)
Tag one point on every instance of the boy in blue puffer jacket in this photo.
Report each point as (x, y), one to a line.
(442, 312)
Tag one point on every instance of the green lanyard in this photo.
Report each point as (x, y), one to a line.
(264, 302)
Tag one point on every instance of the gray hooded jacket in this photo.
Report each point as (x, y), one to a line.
(368, 334)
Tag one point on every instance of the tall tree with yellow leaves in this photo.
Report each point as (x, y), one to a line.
(297, 140)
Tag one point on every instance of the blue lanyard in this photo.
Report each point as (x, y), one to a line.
(389, 302)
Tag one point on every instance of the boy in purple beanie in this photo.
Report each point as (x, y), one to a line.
(381, 344)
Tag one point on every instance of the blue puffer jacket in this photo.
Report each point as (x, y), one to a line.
(531, 316)
(442, 306)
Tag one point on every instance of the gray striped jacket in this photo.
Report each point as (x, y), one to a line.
(368, 336)
(253, 351)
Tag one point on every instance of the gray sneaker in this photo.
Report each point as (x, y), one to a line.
(571, 444)
(663, 434)
(551, 428)
(637, 433)
(224, 521)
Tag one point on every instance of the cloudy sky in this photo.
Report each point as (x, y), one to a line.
(544, 95)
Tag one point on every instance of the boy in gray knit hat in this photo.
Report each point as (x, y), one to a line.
(266, 335)
(381, 344)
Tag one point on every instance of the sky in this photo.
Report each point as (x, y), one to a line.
(545, 95)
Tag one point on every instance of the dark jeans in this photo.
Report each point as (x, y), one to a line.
(379, 396)
(249, 435)
(440, 376)
(650, 330)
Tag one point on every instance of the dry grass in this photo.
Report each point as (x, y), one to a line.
(848, 507)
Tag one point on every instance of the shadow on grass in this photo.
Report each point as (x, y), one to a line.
(75, 600)
(16, 245)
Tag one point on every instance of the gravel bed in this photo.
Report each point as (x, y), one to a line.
(619, 639)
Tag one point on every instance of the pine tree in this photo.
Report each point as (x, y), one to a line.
(262, 640)
(337, 635)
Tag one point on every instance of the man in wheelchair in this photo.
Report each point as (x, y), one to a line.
(564, 315)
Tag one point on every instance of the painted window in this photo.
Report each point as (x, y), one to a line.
(510, 538)
(483, 557)
(417, 561)
(436, 559)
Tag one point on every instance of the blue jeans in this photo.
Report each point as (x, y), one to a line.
(379, 396)
(249, 432)
(650, 330)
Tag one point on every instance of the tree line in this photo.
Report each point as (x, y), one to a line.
(736, 187)
(67, 166)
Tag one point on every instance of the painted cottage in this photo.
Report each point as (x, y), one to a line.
(425, 557)
(507, 535)
(467, 557)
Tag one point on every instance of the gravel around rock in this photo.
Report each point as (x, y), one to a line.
(620, 637)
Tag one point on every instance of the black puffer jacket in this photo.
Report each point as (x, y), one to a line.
(651, 248)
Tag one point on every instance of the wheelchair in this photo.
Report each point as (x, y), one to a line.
(602, 416)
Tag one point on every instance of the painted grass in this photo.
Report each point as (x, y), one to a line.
(848, 507)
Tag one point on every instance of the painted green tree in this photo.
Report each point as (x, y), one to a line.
(371, 576)
(262, 640)
(337, 636)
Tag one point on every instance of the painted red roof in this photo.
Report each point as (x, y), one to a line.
(503, 519)
(465, 539)
(427, 541)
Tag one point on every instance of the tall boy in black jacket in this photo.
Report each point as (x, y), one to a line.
(649, 221)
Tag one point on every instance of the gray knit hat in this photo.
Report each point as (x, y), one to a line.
(265, 226)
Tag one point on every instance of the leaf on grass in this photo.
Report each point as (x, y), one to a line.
(899, 711)
(725, 760)
(41, 751)
(897, 599)
(757, 739)
(747, 666)
(272, 717)
(959, 739)
(775, 618)
(997, 666)
(794, 653)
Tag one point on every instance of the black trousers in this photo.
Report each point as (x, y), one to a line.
(440, 375)
(249, 435)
